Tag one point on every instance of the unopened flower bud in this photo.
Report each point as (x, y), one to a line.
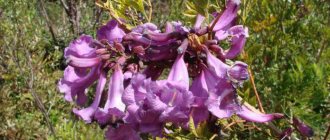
(238, 72)
(303, 129)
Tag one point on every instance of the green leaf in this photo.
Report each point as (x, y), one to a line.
(202, 6)
(192, 127)
(137, 4)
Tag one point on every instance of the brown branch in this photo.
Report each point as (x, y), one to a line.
(48, 22)
(65, 6)
(35, 96)
(72, 10)
(254, 85)
(98, 13)
(210, 28)
(255, 91)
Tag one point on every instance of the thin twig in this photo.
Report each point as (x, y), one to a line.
(35, 96)
(150, 10)
(98, 13)
(255, 91)
(254, 85)
(65, 6)
(72, 10)
(234, 122)
(210, 28)
(48, 22)
(120, 23)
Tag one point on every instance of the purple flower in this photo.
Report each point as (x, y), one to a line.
(302, 128)
(152, 103)
(237, 36)
(87, 113)
(79, 75)
(110, 32)
(199, 89)
(215, 87)
(228, 16)
(139, 113)
(114, 107)
(80, 47)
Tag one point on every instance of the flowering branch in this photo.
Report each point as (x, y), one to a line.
(137, 100)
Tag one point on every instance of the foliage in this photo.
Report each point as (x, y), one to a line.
(287, 51)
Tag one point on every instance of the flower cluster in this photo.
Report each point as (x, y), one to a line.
(199, 84)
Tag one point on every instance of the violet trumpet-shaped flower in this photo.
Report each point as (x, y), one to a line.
(199, 89)
(220, 80)
(152, 103)
(175, 94)
(114, 108)
(87, 113)
(139, 113)
(79, 75)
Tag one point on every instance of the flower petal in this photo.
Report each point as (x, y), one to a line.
(199, 21)
(239, 35)
(199, 86)
(139, 38)
(110, 32)
(228, 15)
(199, 114)
(72, 84)
(145, 27)
(83, 62)
(215, 65)
(249, 115)
(80, 47)
(169, 27)
(179, 72)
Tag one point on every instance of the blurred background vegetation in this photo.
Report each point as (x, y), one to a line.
(288, 52)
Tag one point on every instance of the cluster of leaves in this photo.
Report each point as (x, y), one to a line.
(287, 51)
